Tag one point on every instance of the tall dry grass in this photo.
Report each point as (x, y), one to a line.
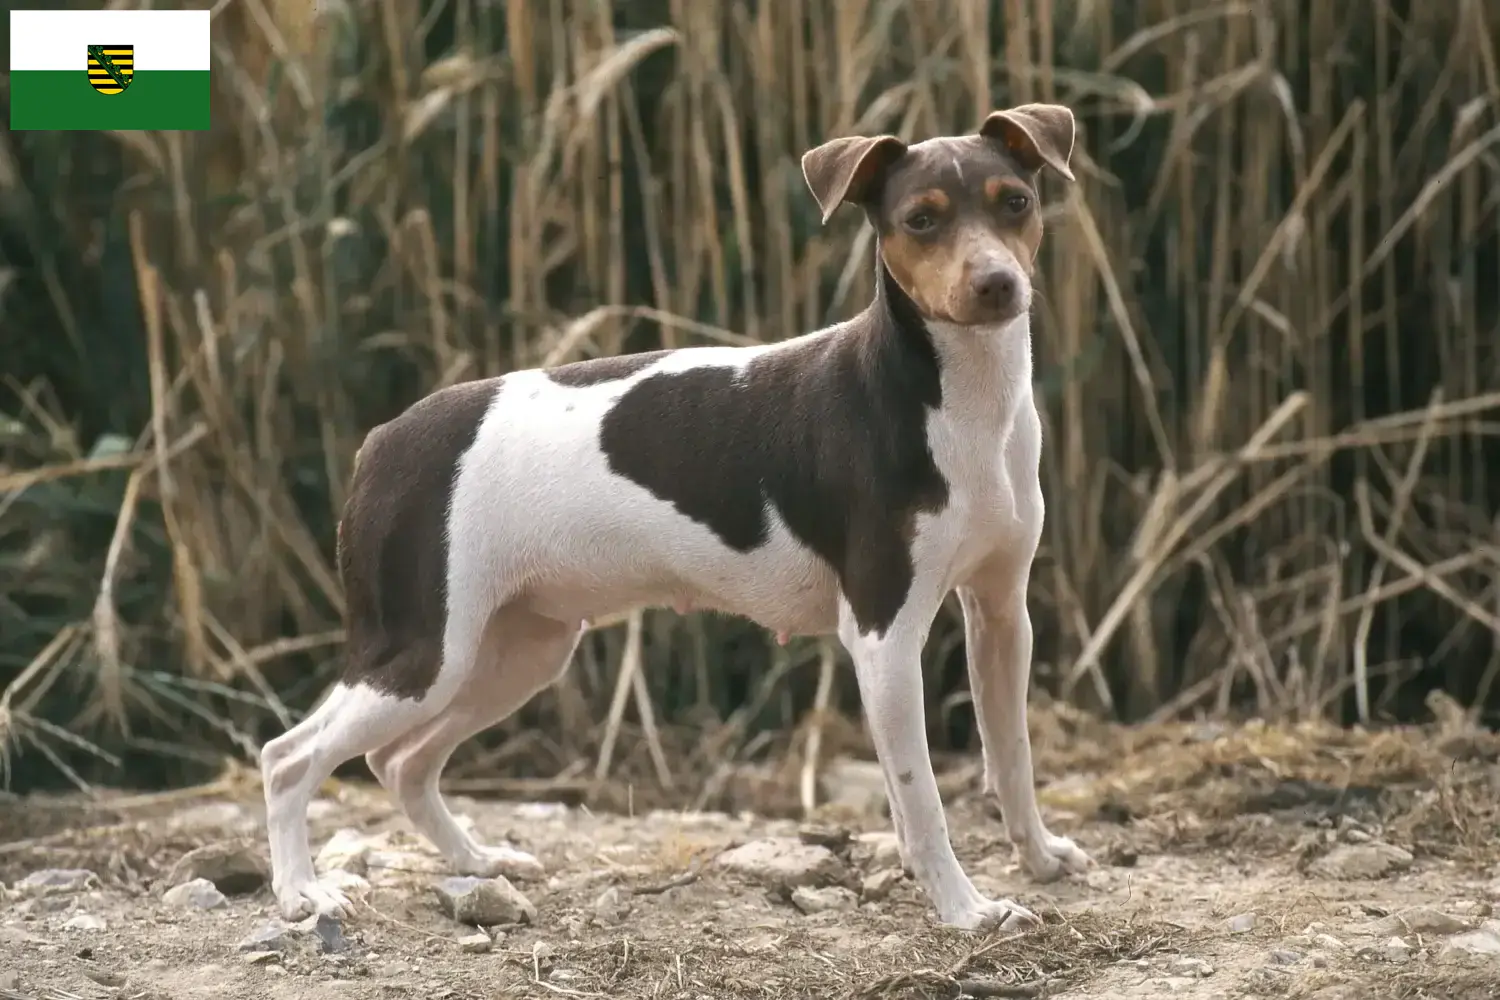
(1266, 348)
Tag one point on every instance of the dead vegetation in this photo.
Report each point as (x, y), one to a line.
(1265, 349)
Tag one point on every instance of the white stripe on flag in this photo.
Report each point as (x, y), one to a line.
(59, 39)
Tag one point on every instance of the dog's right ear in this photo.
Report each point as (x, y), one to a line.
(847, 169)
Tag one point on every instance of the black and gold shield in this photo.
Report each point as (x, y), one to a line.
(111, 67)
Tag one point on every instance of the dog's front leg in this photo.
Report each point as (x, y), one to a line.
(889, 669)
(997, 630)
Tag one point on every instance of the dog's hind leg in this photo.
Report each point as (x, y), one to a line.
(358, 716)
(353, 719)
(520, 654)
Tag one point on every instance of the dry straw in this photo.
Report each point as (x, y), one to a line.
(1265, 347)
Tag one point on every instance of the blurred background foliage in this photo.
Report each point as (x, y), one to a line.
(1266, 344)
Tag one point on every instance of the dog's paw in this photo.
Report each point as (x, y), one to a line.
(487, 862)
(991, 914)
(298, 900)
(1053, 857)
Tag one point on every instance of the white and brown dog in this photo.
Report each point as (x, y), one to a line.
(842, 481)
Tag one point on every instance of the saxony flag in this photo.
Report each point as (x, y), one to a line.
(109, 69)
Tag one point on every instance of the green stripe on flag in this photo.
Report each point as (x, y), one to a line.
(63, 100)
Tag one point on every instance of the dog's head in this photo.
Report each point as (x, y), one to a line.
(957, 216)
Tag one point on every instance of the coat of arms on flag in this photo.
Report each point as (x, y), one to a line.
(111, 67)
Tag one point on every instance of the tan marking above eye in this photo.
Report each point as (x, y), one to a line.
(933, 198)
(998, 188)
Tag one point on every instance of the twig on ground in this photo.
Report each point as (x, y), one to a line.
(676, 882)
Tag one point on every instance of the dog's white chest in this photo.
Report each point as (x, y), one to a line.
(994, 490)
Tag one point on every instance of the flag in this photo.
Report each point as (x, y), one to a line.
(109, 69)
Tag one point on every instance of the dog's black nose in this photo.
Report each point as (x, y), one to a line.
(996, 287)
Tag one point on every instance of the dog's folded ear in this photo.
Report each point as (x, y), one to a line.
(1036, 134)
(848, 169)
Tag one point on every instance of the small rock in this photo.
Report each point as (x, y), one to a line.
(1242, 923)
(10, 981)
(1195, 967)
(394, 969)
(1285, 956)
(266, 937)
(261, 957)
(234, 867)
(107, 978)
(484, 902)
(56, 903)
(210, 815)
(879, 885)
(834, 897)
(18, 937)
(1372, 860)
(1318, 959)
(84, 922)
(199, 894)
(880, 849)
(1328, 942)
(1484, 941)
(1396, 950)
(835, 838)
(612, 906)
(329, 932)
(475, 944)
(49, 881)
(1159, 985)
(856, 787)
(1420, 920)
(347, 849)
(783, 861)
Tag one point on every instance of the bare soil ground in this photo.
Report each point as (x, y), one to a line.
(1233, 862)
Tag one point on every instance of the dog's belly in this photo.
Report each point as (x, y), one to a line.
(781, 586)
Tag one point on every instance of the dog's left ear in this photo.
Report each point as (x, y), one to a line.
(849, 169)
(1036, 134)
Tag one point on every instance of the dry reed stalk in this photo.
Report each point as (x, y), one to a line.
(808, 783)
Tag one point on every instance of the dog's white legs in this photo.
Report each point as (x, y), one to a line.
(997, 630)
(352, 720)
(521, 654)
(890, 684)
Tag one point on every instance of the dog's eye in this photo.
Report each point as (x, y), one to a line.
(1017, 203)
(921, 222)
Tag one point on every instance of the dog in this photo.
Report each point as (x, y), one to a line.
(842, 481)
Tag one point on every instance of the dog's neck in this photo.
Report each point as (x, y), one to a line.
(984, 372)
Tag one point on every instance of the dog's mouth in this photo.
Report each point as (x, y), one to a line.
(984, 317)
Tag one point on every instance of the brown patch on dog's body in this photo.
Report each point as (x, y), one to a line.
(393, 539)
(805, 431)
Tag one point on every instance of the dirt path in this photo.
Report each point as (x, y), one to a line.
(1209, 886)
